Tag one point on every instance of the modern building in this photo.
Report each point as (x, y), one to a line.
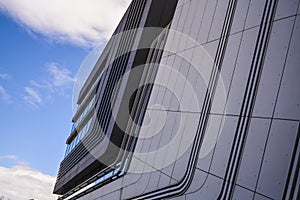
(191, 99)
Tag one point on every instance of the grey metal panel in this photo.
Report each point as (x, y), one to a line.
(239, 19)
(178, 151)
(187, 24)
(174, 24)
(242, 193)
(288, 105)
(154, 180)
(188, 53)
(112, 188)
(277, 158)
(197, 23)
(114, 195)
(171, 82)
(210, 48)
(156, 87)
(168, 131)
(218, 20)
(183, 26)
(224, 143)
(181, 165)
(164, 96)
(255, 13)
(207, 21)
(164, 180)
(199, 180)
(183, 197)
(286, 8)
(138, 188)
(194, 95)
(253, 153)
(191, 19)
(92, 196)
(179, 85)
(241, 72)
(209, 191)
(130, 179)
(204, 162)
(183, 10)
(273, 68)
(181, 2)
(144, 142)
(228, 69)
(260, 197)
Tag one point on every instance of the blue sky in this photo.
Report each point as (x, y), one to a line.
(34, 131)
(38, 66)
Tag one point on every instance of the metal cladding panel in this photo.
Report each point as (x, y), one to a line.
(222, 119)
(77, 167)
(97, 152)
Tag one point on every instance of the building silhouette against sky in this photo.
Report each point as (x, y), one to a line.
(191, 99)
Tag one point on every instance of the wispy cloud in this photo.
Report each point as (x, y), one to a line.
(21, 182)
(5, 76)
(4, 96)
(59, 81)
(60, 76)
(10, 157)
(81, 22)
(32, 97)
(15, 159)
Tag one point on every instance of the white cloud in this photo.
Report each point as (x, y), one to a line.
(33, 97)
(4, 96)
(20, 182)
(15, 159)
(60, 76)
(10, 157)
(5, 76)
(58, 81)
(80, 22)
